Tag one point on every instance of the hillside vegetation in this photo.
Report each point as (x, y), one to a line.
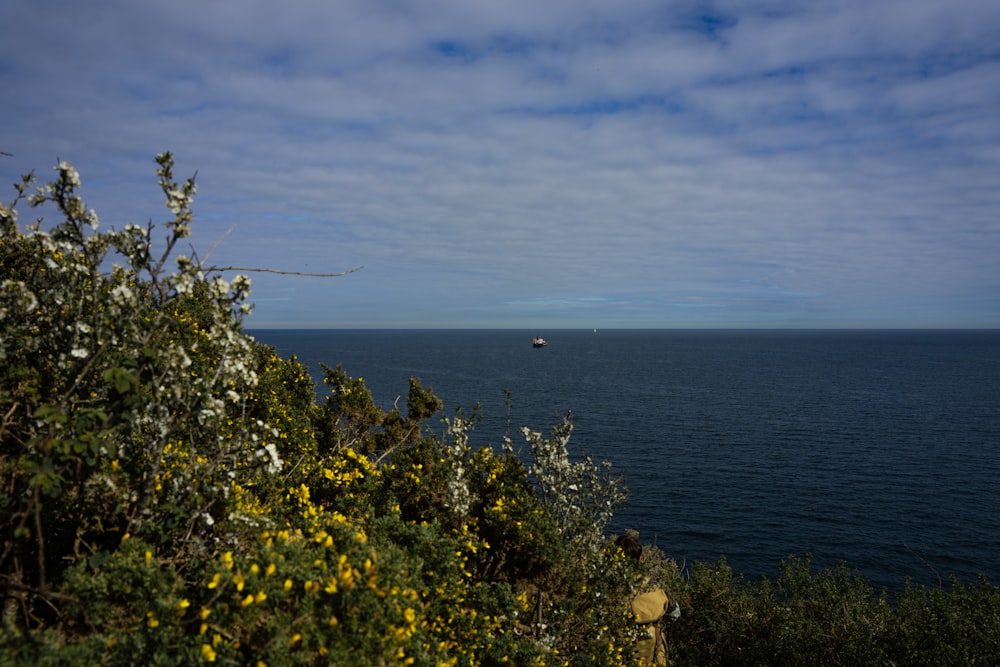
(172, 492)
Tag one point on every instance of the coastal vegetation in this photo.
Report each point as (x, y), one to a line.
(172, 492)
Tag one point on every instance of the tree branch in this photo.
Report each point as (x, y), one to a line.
(284, 273)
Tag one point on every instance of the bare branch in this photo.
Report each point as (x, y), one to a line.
(209, 269)
(284, 273)
(217, 243)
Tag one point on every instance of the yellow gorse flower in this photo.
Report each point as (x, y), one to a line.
(207, 653)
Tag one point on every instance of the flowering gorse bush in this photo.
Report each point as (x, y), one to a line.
(171, 491)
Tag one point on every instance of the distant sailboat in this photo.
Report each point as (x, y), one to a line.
(538, 341)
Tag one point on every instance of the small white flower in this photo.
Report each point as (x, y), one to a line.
(241, 283)
(274, 466)
(121, 294)
(72, 176)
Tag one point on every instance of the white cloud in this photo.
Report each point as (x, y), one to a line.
(768, 162)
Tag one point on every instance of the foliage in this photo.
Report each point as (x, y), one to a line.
(831, 617)
(121, 382)
(172, 492)
(581, 497)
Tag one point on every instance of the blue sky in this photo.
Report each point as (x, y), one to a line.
(525, 164)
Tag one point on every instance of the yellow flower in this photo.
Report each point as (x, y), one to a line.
(270, 570)
(248, 600)
(151, 619)
(182, 607)
(208, 653)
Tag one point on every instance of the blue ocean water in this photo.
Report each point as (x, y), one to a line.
(877, 448)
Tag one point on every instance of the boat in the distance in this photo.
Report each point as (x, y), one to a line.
(538, 341)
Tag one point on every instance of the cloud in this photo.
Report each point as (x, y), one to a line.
(603, 164)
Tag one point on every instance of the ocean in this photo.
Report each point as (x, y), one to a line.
(880, 449)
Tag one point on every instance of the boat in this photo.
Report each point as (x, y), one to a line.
(538, 341)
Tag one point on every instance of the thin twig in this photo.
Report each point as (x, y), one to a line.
(41, 540)
(41, 592)
(217, 243)
(284, 273)
(927, 563)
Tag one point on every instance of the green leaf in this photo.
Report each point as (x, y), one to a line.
(122, 379)
(50, 413)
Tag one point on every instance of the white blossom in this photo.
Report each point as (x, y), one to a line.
(274, 467)
(67, 172)
(121, 295)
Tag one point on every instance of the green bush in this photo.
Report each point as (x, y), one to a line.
(172, 491)
(830, 617)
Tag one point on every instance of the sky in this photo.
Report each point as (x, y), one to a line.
(539, 165)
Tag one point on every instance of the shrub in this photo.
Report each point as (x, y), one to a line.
(118, 380)
(173, 492)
